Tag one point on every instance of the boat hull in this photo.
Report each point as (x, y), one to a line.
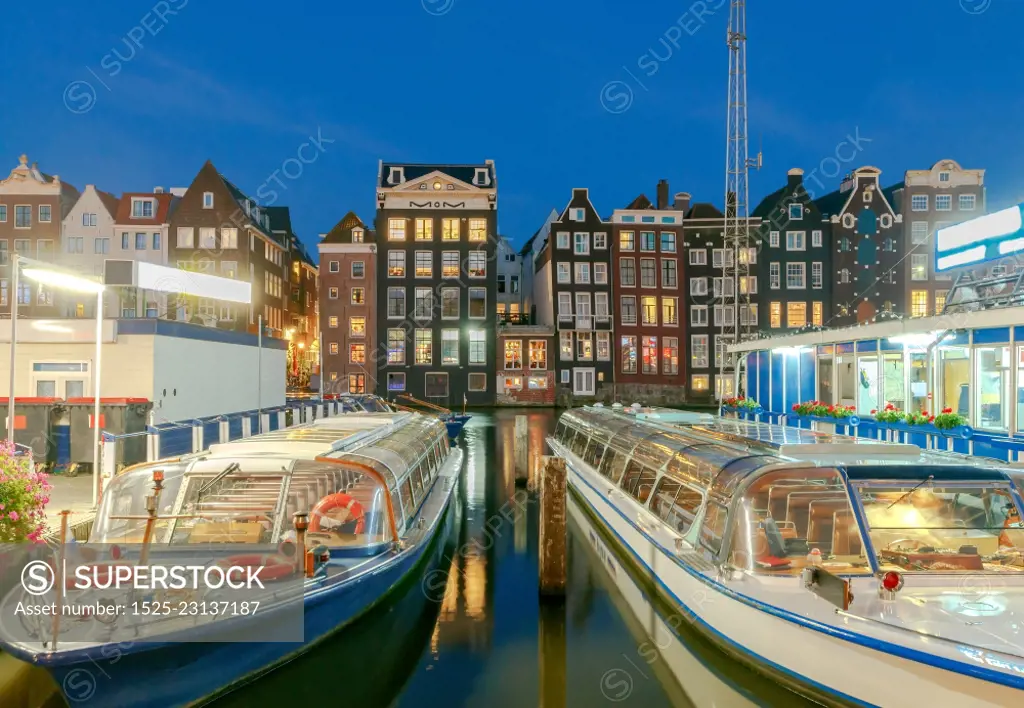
(822, 662)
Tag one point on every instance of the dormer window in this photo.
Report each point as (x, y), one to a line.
(207, 200)
(248, 208)
(867, 195)
(396, 175)
(796, 211)
(357, 235)
(944, 176)
(256, 214)
(142, 208)
(577, 214)
(481, 178)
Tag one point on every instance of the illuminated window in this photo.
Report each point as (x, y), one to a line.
(358, 296)
(396, 346)
(538, 354)
(775, 314)
(449, 347)
(357, 326)
(628, 355)
(565, 346)
(796, 314)
(699, 382)
(669, 311)
(424, 264)
(477, 303)
(424, 229)
(332, 321)
(357, 383)
(604, 348)
(396, 229)
(918, 303)
(627, 240)
(333, 348)
(450, 230)
(396, 264)
(649, 354)
(357, 353)
(649, 310)
(817, 312)
(940, 301)
(670, 355)
(424, 347)
(919, 266)
(514, 354)
(449, 264)
(478, 229)
(477, 346)
(476, 264)
(584, 346)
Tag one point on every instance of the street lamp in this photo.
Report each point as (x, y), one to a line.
(62, 280)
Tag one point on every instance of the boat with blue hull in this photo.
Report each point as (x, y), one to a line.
(359, 403)
(375, 490)
(816, 559)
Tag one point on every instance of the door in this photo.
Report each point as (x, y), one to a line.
(825, 393)
(583, 382)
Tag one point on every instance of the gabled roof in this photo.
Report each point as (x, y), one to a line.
(160, 215)
(832, 203)
(641, 202)
(110, 202)
(704, 210)
(342, 231)
(768, 204)
(280, 218)
(552, 216)
(411, 171)
(242, 198)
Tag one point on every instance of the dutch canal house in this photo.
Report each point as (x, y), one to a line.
(647, 282)
(867, 243)
(437, 281)
(348, 309)
(794, 263)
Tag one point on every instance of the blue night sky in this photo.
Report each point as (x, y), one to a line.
(247, 84)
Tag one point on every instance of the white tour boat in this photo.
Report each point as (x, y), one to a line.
(856, 572)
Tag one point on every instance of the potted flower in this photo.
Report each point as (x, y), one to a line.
(952, 424)
(24, 493)
(919, 419)
(888, 415)
(741, 403)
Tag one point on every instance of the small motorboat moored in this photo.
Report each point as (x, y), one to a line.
(855, 571)
(369, 495)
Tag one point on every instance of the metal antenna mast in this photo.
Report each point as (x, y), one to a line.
(736, 263)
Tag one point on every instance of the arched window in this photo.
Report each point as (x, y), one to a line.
(867, 252)
(867, 222)
(844, 275)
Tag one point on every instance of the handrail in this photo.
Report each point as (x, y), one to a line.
(437, 408)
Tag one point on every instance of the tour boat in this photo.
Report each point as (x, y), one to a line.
(375, 490)
(853, 571)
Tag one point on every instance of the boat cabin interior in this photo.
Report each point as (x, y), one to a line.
(771, 500)
(361, 480)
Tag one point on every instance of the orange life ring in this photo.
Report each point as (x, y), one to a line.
(339, 500)
(275, 567)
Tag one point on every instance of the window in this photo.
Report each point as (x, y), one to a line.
(668, 242)
(3, 292)
(358, 269)
(477, 303)
(582, 275)
(423, 304)
(773, 276)
(668, 273)
(919, 266)
(476, 264)
(3, 252)
(796, 240)
(943, 202)
(562, 240)
(724, 287)
(748, 315)
(699, 351)
(357, 326)
(126, 241)
(424, 347)
(944, 176)
(919, 232)
(451, 230)
(396, 229)
(698, 256)
(583, 312)
(357, 235)
(649, 310)
(3, 213)
(478, 382)
(514, 354)
(565, 346)
(918, 303)
(396, 303)
(563, 274)
(748, 285)
(816, 240)
(581, 243)
(722, 356)
(817, 312)
(844, 275)
(449, 347)
(773, 239)
(478, 230)
(333, 349)
(332, 293)
(577, 214)
(332, 321)
(584, 346)
(628, 309)
(334, 267)
(669, 311)
(600, 273)
(775, 315)
(601, 307)
(796, 276)
(698, 286)
(396, 346)
(816, 275)
(228, 238)
(698, 315)
(357, 383)
(396, 381)
(186, 235)
(796, 211)
(583, 382)
(627, 272)
(601, 241)
(477, 347)
(449, 303)
(396, 264)
(628, 351)
(646, 240)
(87, 219)
(424, 229)
(538, 354)
(940, 305)
(604, 345)
(724, 315)
(424, 264)
(564, 306)
(45, 248)
(919, 202)
(22, 217)
(140, 241)
(700, 382)
(449, 264)
(967, 202)
(74, 244)
(143, 208)
(722, 258)
(648, 273)
(796, 314)
(357, 353)
(649, 354)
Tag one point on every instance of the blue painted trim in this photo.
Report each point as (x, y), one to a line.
(185, 330)
(844, 348)
(867, 345)
(862, 522)
(995, 335)
(835, 632)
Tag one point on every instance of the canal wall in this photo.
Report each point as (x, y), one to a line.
(626, 394)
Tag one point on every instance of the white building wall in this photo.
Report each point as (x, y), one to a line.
(88, 262)
(542, 295)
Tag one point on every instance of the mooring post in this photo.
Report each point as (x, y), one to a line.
(552, 526)
(522, 449)
(552, 654)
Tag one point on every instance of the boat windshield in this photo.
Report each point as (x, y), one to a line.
(126, 496)
(787, 519)
(944, 527)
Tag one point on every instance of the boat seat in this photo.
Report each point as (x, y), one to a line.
(821, 521)
(778, 496)
(845, 535)
(798, 507)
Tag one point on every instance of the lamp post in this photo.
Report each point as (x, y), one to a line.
(47, 274)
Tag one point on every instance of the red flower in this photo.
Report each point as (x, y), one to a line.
(947, 410)
(795, 406)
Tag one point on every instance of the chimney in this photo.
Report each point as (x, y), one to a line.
(158, 190)
(795, 178)
(662, 194)
(682, 202)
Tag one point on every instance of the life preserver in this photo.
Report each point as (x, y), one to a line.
(339, 500)
(275, 567)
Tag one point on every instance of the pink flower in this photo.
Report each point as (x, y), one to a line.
(13, 516)
(1, 507)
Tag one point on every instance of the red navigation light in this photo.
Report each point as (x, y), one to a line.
(892, 581)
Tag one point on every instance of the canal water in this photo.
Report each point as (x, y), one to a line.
(472, 631)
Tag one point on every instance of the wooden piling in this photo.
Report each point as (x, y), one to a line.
(553, 545)
(521, 450)
(552, 654)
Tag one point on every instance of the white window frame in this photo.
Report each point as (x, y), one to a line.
(469, 303)
(579, 390)
(600, 241)
(799, 209)
(581, 272)
(972, 200)
(698, 286)
(816, 239)
(796, 240)
(919, 202)
(802, 267)
(817, 275)
(563, 273)
(581, 238)
(563, 240)
(698, 315)
(945, 199)
(775, 276)
(773, 239)
(207, 200)
(600, 274)
(699, 256)
(696, 341)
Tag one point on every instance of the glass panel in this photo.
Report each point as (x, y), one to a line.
(954, 378)
(825, 381)
(644, 485)
(993, 396)
(612, 465)
(893, 376)
(788, 516)
(713, 529)
(632, 476)
(847, 380)
(867, 383)
(126, 496)
(676, 504)
(918, 392)
(944, 529)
